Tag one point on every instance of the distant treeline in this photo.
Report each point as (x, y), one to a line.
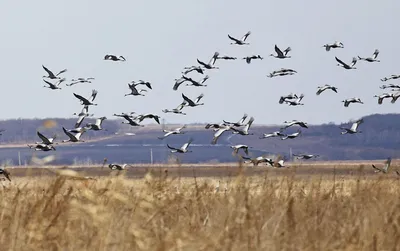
(379, 137)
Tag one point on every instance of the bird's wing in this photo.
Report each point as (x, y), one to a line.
(176, 85)
(234, 39)
(199, 98)
(340, 62)
(245, 36)
(241, 121)
(205, 79)
(84, 100)
(376, 53)
(287, 50)
(278, 51)
(202, 63)
(61, 80)
(47, 82)
(168, 134)
(387, 164)
(354, 61)
(94, 94)
(85, 109)
(43, 138)
(214, 58)
(172, 148)
(61, 72)
(79, 121)
(355, 125)
(188, 100)
(51, 74)
(218, 134)
(186, 145)
(247, 127)
(70, 135)
(376, 168)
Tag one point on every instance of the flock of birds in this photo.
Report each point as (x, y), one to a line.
(241, 127)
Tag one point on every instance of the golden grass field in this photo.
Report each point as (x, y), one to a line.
(161, 211)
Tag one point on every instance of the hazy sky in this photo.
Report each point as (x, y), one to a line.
(159, 38)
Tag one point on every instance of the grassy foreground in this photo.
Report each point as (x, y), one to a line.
(237, 213)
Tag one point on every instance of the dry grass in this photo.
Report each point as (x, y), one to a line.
(246, 213)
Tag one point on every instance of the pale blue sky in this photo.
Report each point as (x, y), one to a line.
(159, 38)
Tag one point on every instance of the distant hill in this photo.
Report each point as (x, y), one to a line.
(379, 139)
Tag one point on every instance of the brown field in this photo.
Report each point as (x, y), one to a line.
(313, 206)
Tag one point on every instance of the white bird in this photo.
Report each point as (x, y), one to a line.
(289, 96)
(80, 81)
(347, 102)
(171, 132)
(291, 136)
(283, 70)
(97, 125)
(215, 127)
(256, 161)
(294, 122)
(395, 96)
(196, 83)
(295, 102)
(326, 87)
(178, 82)
(236, 124)
(385, 168)
(249, 58)
(383, 96)
(142, 82)
(245, 130)
(273, 134)
(45, 140)
(85, 101)
(305, 156)
(73, 137)
(131, 121)
(346, 66)
(218, 133)
(353, 128)
(237, 147)
(42, 147)
(183, 149)
(198, 69)
(211, 63)
(53, 86)
(190, 102)
(272, 75)
(226, 58)
(177, 110)
(336, 44)
(390, 86)
(393, 76)
(82, 115)
(241, 41)
(141, 117)
(51, 74)
(119, 167)
(134, 91)
(371, 59)
(281, 54)
(114, 58)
